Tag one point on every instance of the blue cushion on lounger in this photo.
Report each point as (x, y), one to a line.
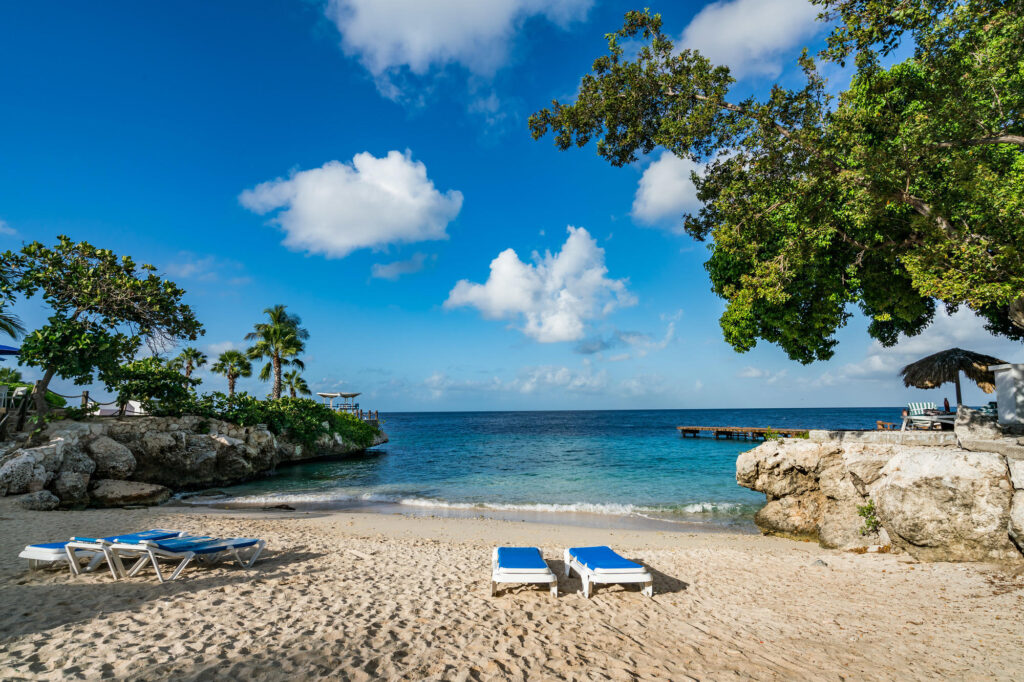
(130, 538)
(521, 559)
(204, 545)
(50, 545)
(603, 559)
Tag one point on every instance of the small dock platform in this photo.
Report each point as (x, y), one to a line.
(744, 432)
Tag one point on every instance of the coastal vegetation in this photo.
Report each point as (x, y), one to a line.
(904, 193)
(232, 364)
(105, 309)
(279, 340)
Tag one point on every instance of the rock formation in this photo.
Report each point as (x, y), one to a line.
(938, 503)
(140, 460)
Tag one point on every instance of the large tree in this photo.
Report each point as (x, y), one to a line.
(188, 360)
(295, 384)
(904, 193)
(232, 364)
(104, 307)
(279, 340)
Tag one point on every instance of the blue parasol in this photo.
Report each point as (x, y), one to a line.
(9, 350)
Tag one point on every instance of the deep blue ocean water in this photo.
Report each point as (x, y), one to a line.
(593, 464)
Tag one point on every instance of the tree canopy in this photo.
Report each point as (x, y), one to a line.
(279, 340)
(232, 364)
(904, 193)
(104, 307)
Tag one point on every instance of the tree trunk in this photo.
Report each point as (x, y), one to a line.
(276, 392)
(188, 369)
(1015, 311)
(959, 400)
(291, 390)
(40, 394)
(231, 385)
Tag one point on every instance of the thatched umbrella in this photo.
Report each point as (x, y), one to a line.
(941, 368)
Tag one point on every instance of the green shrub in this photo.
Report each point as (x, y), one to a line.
(871, 522)
(52, 399)
(298, 419)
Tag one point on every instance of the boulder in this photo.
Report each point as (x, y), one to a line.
(72, 487)
(940, 504)
(1016, 473)
(113, 459)
(24, 472)
(41, 500)
(1016, 525)
(77, 462)
(113, 493)
(973, 425)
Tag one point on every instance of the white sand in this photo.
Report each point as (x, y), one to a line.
(420, 607)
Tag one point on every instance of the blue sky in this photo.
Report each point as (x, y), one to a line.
(367, 163)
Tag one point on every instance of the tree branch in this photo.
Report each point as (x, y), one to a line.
(977, 142)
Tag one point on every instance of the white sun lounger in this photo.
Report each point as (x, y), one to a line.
(602, 565)
(184, 550)
(520, 565)
(55, 552)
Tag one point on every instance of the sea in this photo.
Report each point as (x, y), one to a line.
(627, 469)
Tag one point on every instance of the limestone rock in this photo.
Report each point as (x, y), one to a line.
(972, 425)
(72, 487)
(1016, 525)
(113, 460)
(782, 468)
(24, 472)
(793, 517)
(113, 493)
(77, 462)
(1016, 473)
(41, 500)
(947, 505)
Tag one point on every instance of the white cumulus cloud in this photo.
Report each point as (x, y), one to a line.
(6, 229)
(554, 297)
(388, 35)
(368, 203)
(751, 37)
(666, 191)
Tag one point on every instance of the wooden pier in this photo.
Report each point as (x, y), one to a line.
(744, 432)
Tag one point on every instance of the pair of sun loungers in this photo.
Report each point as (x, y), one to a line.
(145, 548)
(594, 565)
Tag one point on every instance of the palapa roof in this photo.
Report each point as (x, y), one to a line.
(943, 367)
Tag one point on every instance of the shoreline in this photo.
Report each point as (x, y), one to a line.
(615, 520)
(358, 595)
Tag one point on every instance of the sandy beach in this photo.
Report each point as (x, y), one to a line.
(377, 596)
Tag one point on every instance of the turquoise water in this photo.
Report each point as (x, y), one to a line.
(595, 464)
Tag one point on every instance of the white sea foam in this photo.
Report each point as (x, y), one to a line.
(342, 498)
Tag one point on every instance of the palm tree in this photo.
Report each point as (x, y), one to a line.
(232, 364)
(280, 340)
(9, 375)
(189, 359)
(295, 384)
(11, 325)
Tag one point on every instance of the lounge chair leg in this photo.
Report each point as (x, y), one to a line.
(181, 567)
(494, 589)
(72, 561)
(649, 589)
(554, 589)
(586, 588)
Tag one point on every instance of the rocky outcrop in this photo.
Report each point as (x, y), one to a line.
(112, 493)
(42, 500)
(813, 489)
(80, 462)
(936, 503)
(947, 505)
